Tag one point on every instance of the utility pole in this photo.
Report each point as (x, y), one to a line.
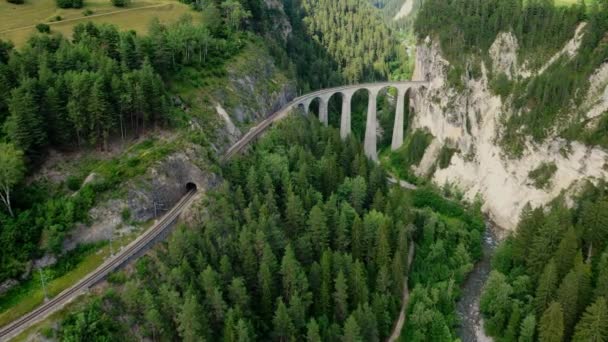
(158, 206)
(111, 238)
(46, 295)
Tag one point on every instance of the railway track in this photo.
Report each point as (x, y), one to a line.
(52, 305)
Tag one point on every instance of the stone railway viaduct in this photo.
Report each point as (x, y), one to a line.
(347, 92)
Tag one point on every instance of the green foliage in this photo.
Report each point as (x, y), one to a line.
(543, 269)
(121, 3)
(12, 171)
(462, 28)
(552, 324)
(542, 175)
(445, 156)
(73, 183)
(412, 151)
(43, 28)
(69, 3)
(343, 41)
(303, 240)
(90, 323)
(501, 85)
(16, 2)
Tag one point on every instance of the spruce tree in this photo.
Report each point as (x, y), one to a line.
(340, 297)
(527, 329)
(552, 324)
(283, 327)
(547, 285)
(593, 326)
(312, 331)
(352, 332)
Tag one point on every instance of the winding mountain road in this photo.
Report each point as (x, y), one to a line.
(141, 243)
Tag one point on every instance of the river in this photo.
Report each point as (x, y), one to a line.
(467, 308)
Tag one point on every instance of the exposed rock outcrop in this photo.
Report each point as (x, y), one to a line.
(147, 197)
(471, 119)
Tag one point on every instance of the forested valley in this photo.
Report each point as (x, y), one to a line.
(304, 240)
(104, 85)
(301, 236)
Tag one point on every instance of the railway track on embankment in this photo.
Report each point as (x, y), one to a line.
(138, 245)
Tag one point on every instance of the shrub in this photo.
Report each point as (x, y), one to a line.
(69, 3)
(125, 214)
(87, 12)
(64, 3)
(73, 183)
(445, 156)
(542, 175)
(16, 2)
(121, 3)
(43, 28)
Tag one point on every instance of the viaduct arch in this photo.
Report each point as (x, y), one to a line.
(347, 92)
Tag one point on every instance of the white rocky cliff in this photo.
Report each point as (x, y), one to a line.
(470, 121)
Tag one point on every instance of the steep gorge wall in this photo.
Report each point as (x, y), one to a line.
(469, 119)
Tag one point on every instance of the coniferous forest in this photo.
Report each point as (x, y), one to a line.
(304, 240)
(550, 281)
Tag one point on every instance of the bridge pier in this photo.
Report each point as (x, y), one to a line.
(397, 141)
(371, 127)
(323, 110)
(345, 117)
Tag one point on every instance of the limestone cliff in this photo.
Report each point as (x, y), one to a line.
(469, 119)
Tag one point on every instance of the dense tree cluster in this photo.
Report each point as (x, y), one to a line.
(353, 33)
(61, 93)
(551, 279)
(465, 26)
(338, 41)
(304, 240)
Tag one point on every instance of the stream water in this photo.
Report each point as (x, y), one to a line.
(467, 308)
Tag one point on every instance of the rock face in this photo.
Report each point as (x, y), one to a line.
(147, 197)
(255, 89)
(470, 120)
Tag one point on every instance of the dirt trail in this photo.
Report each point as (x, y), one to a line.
(405, 301)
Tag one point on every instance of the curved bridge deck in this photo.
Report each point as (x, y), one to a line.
(347, 93)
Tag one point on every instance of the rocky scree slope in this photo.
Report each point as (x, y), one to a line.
(469, 119)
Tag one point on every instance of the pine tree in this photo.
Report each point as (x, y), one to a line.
(312, 331)
(352, 332)
(340, 297)
(564, 257)
(593, 326)
(283, 327)
(358, 193)
(568, 297)
(294, 215)
(601, 285)
(318, 228)
(192, 321)
(100, 115)
(357, 238)
(326, 283)
(527, 329)
(358, 283)
(552, 324)
(25, 127)
(594, 219)
(545, 290)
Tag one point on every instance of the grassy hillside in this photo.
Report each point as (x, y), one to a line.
(17, 22)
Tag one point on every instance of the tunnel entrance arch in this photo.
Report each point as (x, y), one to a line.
(191, 186)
